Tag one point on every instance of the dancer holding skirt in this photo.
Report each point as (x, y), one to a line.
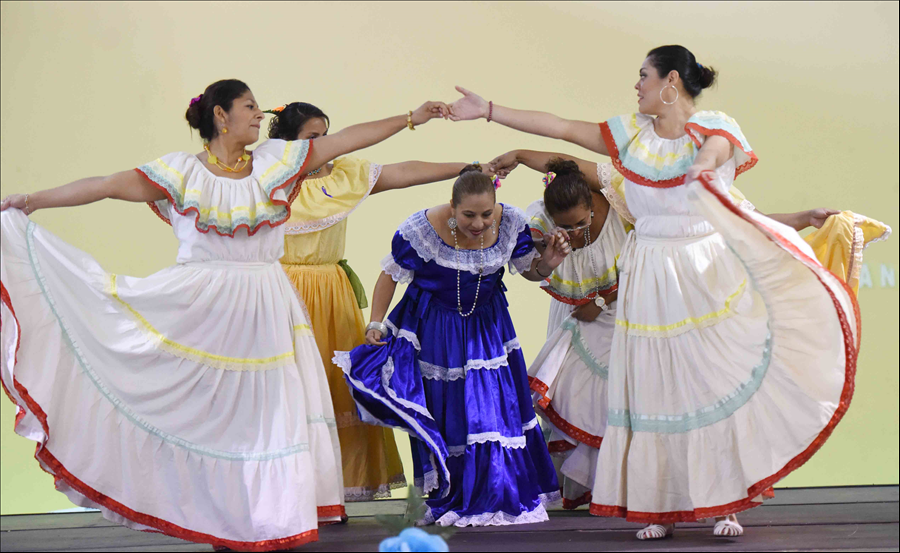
(446, 366)
(735, 350)
(192, 402)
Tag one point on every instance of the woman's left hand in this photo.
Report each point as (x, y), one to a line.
(557, 248)
(818, 216)
(14, 200)
(587, 312)
(693, 173)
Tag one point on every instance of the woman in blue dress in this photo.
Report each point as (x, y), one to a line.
(446, 366)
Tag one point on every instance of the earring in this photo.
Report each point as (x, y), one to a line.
(224, 130)
(661, 98)
(451, 222)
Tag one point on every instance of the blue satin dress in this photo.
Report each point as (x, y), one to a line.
(458, 385)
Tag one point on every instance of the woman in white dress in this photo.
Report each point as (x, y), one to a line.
(192, 402)
(735, 351)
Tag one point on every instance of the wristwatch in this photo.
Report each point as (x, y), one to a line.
(601, 303)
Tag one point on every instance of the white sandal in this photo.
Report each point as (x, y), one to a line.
(656, 532)
(728, 528)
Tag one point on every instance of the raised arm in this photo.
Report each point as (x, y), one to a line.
(538, 161)
(126, 185)
(364, 135)
(413, 173)
(381, 301)
(583, 133)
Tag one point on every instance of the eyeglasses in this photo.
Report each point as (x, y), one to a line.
(576, 229)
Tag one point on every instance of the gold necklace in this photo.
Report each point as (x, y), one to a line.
(245, 157)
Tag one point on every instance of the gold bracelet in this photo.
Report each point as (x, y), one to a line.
(409, 123)
(27, 211)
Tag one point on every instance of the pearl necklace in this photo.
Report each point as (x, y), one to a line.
(587, 244)
(458, 266)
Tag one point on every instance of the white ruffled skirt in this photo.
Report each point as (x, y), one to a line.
(192, 402)
(732, 361)
(569, 380)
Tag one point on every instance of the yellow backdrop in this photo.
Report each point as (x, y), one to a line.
(93, 88)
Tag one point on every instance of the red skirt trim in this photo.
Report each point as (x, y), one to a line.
(851, 353)
(558, 421)
(61, 474)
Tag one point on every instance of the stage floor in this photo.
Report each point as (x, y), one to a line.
(823, 519)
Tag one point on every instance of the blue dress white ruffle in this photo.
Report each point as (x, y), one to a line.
(458, 386)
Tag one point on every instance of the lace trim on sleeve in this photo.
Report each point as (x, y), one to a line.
(395, 271)
(604, 174)
(522, 264)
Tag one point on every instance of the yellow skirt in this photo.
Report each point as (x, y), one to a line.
(371, 463)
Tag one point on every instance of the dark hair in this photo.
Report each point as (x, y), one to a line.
(471, 181)
(287, 123)
(694, 77)
(200, 114)
(568, 189)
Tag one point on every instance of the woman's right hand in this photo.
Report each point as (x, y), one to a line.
(373, 338)
(504, 164)
(428, 111)
(14, 200)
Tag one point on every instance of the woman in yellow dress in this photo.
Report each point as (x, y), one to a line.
(314, 242)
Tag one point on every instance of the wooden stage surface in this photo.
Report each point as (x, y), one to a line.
(820, 519)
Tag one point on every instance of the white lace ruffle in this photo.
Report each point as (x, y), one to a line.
(514, 442)
(522, 264)
(500, 518)
(604, 174)
(405, 334)
(368, 493)
(395, 271)
(428, 483)
(417, 230)
(436, 372)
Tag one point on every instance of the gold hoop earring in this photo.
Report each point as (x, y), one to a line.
(661, 97)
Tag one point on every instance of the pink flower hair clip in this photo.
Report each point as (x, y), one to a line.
(496, 182)
(548, 178)
(197, 99)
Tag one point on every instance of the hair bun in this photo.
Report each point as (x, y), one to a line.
(707, 76)
(472, 167)
(563, 167)
(194, 114)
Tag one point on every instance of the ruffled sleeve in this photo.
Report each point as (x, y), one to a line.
(523, 252)
(612, 185)
(643, 157)
(538, 219)
(225, 205)
(403, 261)
(324, 202)
(715, 123)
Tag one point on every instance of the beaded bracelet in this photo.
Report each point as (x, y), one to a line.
(490, 111)
(409, 123)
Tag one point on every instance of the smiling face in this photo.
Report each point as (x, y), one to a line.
(649, 86)
(474, 214)
(314, 128)
(243, 120)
